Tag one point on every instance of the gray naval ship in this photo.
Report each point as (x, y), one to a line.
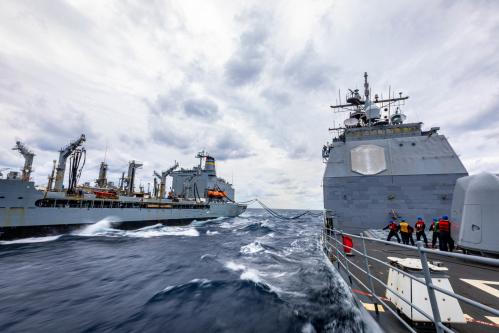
(196, 194)
(379, 167)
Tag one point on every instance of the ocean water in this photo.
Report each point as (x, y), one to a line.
(252, 273)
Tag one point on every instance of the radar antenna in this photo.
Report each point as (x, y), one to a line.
(367, 112)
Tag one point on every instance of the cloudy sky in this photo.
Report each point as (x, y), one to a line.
(248, 81)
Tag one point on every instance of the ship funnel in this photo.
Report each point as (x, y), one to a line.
(209, 164)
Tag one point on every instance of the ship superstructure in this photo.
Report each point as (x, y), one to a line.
(196, 194)
(379, 167)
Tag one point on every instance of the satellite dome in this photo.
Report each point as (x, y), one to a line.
(372, 111)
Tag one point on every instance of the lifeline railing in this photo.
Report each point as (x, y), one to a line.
(331, 234)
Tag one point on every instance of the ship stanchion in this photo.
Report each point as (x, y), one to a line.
(431, 292)
(371, 284)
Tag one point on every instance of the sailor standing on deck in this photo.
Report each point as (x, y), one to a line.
(434, 229)
(404, 232)
(444, 231)
(420, 230)
(394, 228)
(411, 231)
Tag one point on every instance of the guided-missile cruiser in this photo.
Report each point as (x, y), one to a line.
(196, 194)
(378, 167)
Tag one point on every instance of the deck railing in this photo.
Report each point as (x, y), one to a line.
(334, 246)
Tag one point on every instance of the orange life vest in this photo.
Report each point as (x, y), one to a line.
(444, 225)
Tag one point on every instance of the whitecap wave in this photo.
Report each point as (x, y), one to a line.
(211, 233)
(31, 240)
(200, 282)
(246, 273)
(251, 248)
(100, 228)
(103, 228)
(159, 230)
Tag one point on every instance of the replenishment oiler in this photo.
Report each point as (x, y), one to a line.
(25, 210)
(380, 169)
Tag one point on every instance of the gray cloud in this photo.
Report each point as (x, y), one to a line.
(248, 61)
(200, 107)
(307, 70)
(166, 134)
(230, 145)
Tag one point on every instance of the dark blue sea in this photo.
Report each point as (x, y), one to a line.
(252, 273)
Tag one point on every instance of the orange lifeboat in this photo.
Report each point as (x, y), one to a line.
(216, 194)
(106, 194)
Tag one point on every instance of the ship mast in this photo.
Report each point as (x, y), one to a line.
(367, 112)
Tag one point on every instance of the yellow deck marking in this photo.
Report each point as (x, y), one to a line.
(495, 320)
(467, 317)
(370, 307)
(483, 286)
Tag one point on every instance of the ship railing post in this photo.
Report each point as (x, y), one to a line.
(431, 292)
(371, 285)
(346, 260)
(337, 249)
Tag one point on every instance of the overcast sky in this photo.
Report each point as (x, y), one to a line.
(249, 82)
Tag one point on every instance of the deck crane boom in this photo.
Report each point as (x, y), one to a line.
(162, 178)
(64, 153)
(28, 160)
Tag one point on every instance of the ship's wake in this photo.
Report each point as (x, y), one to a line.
(31, 240)
(104, 228)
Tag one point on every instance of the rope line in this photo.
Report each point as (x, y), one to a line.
(273, 212)
(283, 217)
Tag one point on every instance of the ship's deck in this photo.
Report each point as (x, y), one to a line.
(481, 286)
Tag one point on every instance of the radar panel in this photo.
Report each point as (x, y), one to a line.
(368, 159)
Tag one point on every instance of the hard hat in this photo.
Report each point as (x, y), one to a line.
(445, 217)
(435, 219)
(420, 218)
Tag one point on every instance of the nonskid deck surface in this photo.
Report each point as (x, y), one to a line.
(474, 281)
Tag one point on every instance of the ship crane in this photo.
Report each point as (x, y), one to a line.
(64, 153)
(130, 179)
(162, 179)
(28, 160)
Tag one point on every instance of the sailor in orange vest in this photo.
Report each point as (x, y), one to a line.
(444, 233)
(393, 231)
(420, 230)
